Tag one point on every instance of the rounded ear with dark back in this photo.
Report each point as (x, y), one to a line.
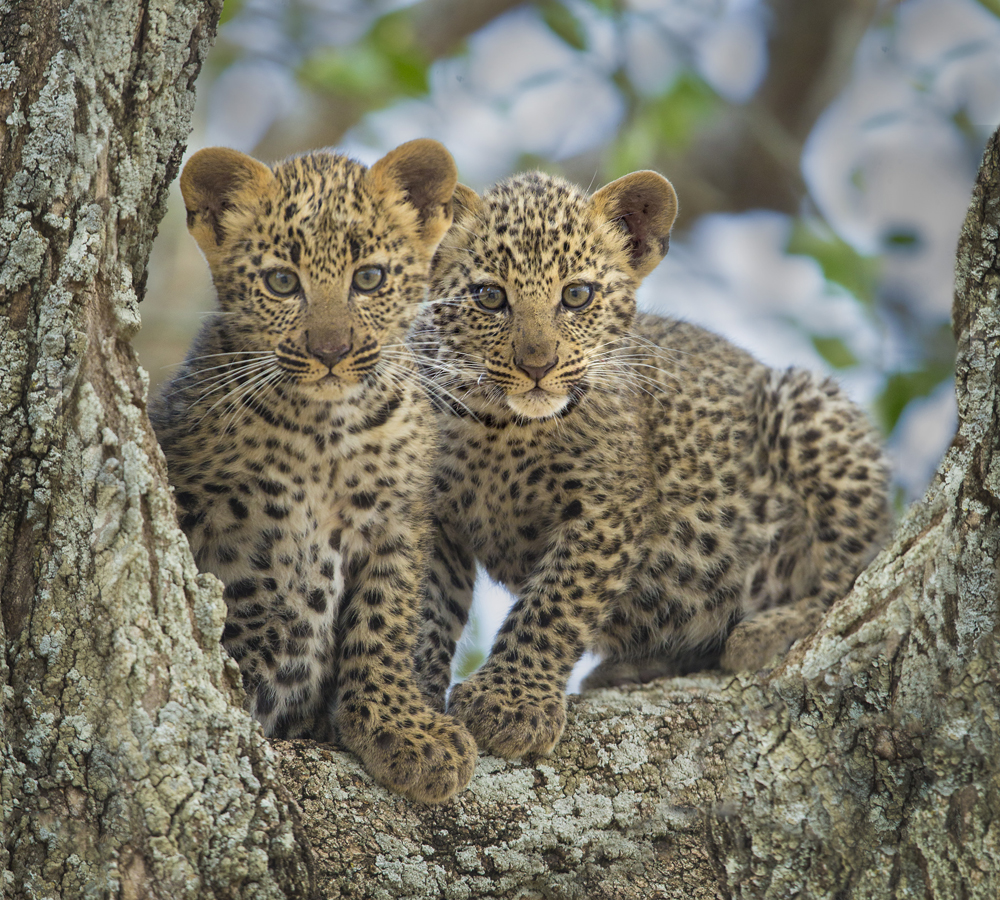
(211, 183)
(466, 203)
(422, 175)
(644, 206)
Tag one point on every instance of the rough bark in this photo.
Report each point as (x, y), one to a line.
(866, 767)
(127, 768)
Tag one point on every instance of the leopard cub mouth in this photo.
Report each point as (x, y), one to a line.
(537, 403)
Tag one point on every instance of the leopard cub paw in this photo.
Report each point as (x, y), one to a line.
(430, 757)
(506, 720)
(757, 643)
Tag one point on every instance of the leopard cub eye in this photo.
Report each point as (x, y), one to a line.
(577, 296)
(368, 278)
(490, 297)
(281, 282)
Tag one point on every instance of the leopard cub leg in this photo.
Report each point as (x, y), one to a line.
(515, 703)
(616, 671)
(763, 640)
(448, 595)
(381, 714)
(405, 746)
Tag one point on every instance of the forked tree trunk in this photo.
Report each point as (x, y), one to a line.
(868, 766)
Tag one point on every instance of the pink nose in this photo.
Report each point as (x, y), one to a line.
(538, 372)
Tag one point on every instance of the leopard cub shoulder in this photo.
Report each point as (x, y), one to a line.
(645, 488)
(299, 445)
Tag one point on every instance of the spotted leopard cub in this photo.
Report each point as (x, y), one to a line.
(645, 488)
(299, 445)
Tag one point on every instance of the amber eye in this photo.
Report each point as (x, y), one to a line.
(490, 297)
(281, 282)
(368, 278)
(577, 296)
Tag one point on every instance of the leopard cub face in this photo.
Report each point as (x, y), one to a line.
(299, 446)
(319, 264)
(531, 333)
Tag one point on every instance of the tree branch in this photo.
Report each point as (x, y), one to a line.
(749, 157)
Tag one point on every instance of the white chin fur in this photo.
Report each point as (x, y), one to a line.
(330, 388)
(537, 404)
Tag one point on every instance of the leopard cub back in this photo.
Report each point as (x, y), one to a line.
(299, 445)
(644, 487)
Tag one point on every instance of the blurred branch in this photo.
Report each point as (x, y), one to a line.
(439, 26)
(425, 31)
(749, 157)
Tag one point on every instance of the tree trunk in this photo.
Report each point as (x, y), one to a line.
(867, 766)
(128, 770)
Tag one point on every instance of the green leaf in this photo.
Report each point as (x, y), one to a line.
(839, 261)
(903, 387)
(834, 351)
(667, 122)
(905, 239)
(564, 24)
(382, 66)
(992, 5)
(350, 71)
(683, 110)
(229, 9)
(635, 147)
(392, 35)
(963, 122)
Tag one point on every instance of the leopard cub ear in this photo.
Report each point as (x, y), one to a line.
(420, 175)
(643, 205)
(466, 203)
(212, 182)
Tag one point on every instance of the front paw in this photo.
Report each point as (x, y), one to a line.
(508, 720)
(429, 758)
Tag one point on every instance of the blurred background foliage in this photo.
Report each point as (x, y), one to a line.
(823, 152)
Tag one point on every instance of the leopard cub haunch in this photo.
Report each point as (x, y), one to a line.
(644, 487)
(299, 445)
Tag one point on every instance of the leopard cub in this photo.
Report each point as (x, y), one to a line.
(299, 445)
(645, 488)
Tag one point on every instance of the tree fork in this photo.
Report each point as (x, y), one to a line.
(866, 766)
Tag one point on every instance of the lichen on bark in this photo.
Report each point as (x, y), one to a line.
(129, 768)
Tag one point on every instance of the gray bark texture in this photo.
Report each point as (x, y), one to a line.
(867, 766)
(127, 768)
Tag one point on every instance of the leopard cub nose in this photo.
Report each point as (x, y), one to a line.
(328, 351)
(537, 372)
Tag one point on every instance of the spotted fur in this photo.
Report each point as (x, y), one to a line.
(645, 488)
(299, 445)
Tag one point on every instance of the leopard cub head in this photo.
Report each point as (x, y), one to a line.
(319, 262)
(533, 288)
